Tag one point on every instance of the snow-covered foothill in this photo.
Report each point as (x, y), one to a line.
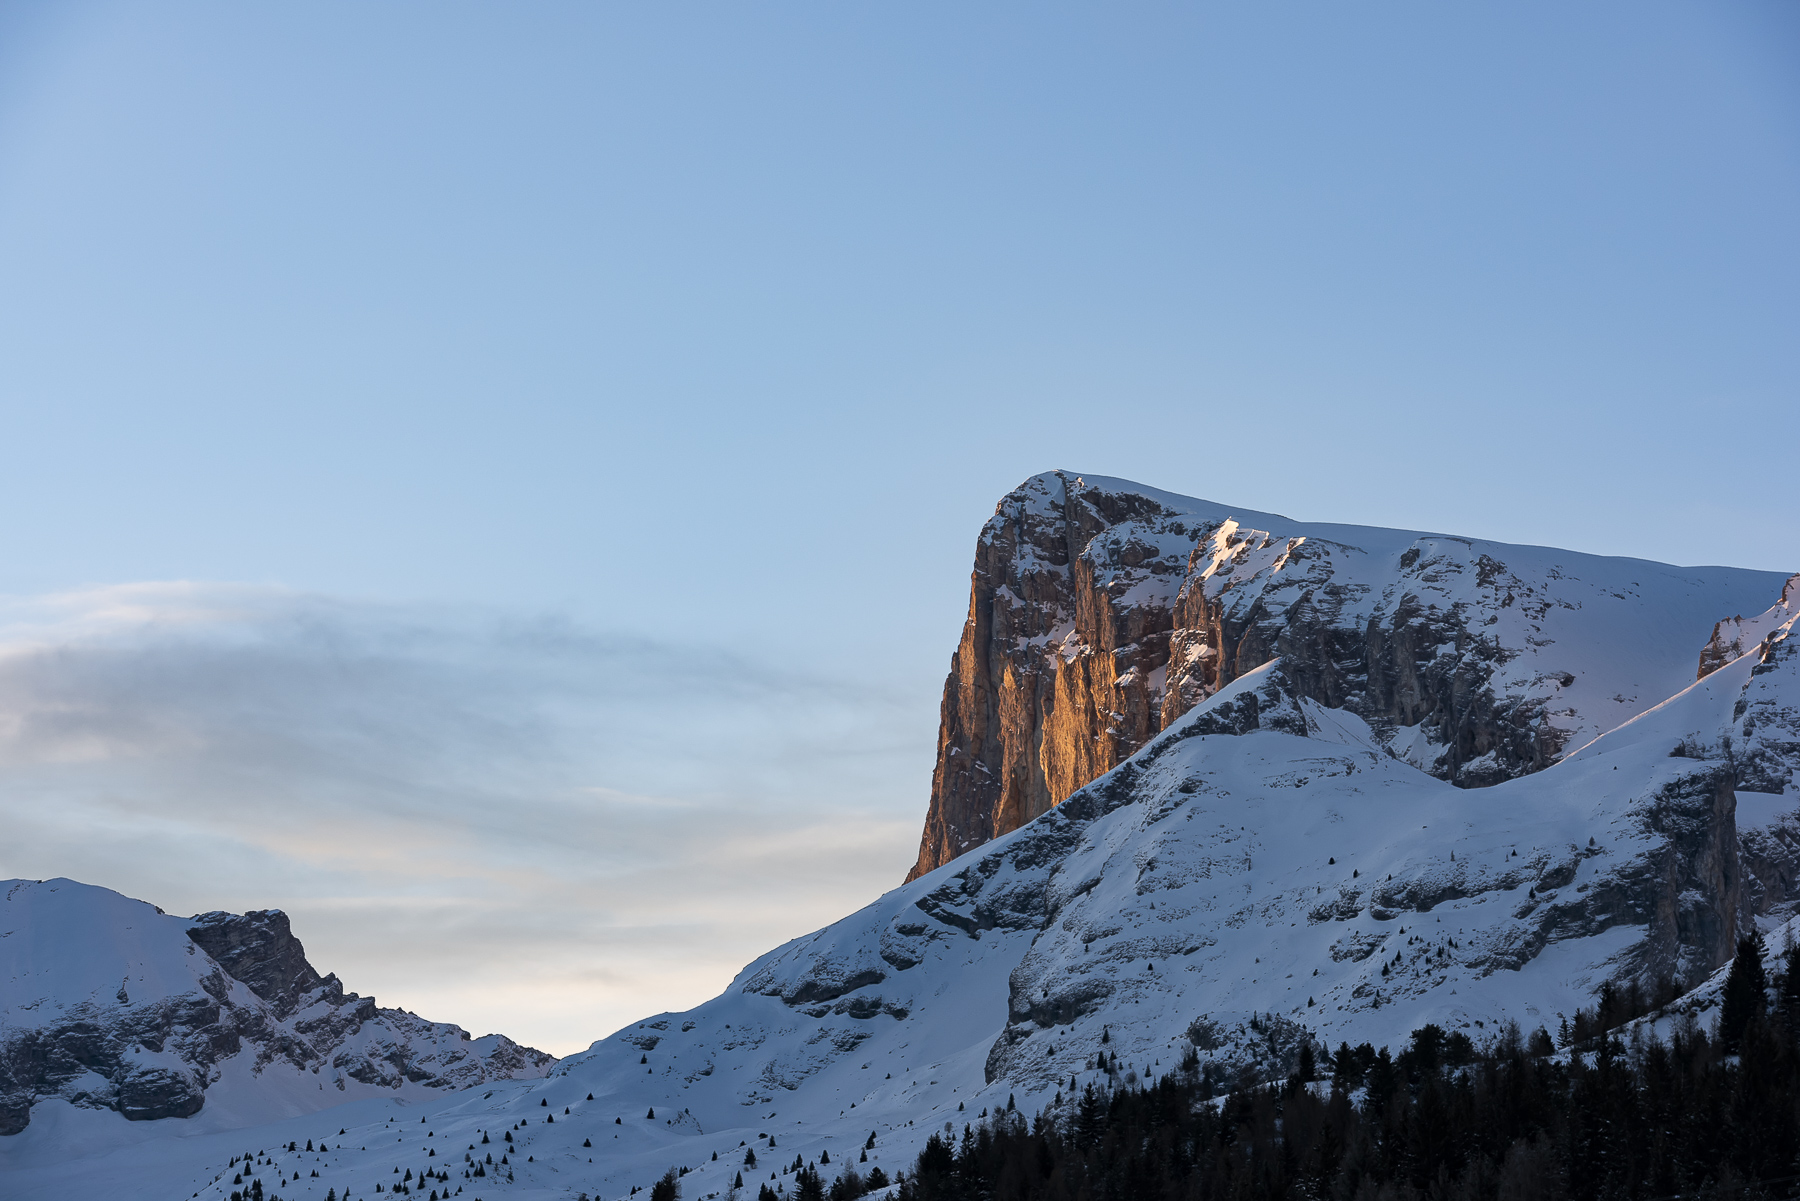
(109, 1003)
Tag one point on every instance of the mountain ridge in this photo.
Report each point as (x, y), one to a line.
(108, 1002)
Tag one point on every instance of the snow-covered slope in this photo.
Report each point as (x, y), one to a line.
(109, 1003)
(1263, 873)
(1277, 864)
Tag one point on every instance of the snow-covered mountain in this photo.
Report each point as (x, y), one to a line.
(1101, 610)
(107, 1002)
(1277, 864)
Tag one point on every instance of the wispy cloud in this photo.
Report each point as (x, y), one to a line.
(515, 824)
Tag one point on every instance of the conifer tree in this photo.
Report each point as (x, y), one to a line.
(1744, 991)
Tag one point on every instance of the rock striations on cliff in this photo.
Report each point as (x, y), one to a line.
(1101, 611)
(109, 1003)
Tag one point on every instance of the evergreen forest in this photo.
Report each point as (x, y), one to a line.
(1617, 1112)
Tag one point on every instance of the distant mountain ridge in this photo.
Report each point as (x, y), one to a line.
(107, 1002)
(1102, 610)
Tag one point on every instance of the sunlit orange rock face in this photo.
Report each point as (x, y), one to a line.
(1059, 673)
(1101, 611)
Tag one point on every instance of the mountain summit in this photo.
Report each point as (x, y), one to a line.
(1101, 611)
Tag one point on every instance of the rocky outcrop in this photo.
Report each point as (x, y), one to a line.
(1770, 856)
(259, 949)
(114, 1060)
(1696, 881)
(1685, 893)
(1058, 676)
(1734, 637)
(110, 1003)
(1101, 611)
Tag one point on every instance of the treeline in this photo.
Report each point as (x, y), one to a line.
(1700, 1115)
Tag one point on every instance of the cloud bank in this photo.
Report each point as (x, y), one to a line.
(518, 825)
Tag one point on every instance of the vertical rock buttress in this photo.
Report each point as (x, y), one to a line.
(1058, 676)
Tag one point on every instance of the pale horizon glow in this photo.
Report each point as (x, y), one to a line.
(419, 791)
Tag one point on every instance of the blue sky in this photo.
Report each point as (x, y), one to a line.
(697, 341)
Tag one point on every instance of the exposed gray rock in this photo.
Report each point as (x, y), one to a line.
(1734, 637)
(259, 949)
(255, 1005)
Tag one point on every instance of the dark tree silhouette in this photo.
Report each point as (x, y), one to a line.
(1513, 1118)
(1745, 986)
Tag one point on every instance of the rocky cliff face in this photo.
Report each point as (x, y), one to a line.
(1734, 637)
(260, 949)
(1101, 611)
(110, 1003)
